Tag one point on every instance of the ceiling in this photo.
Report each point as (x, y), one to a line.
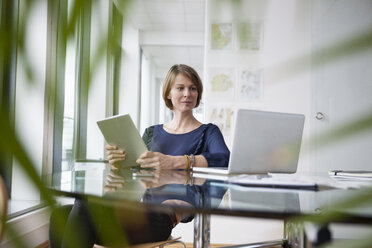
(172, 31)
(168, 15)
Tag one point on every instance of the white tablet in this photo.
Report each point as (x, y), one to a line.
(121, 131)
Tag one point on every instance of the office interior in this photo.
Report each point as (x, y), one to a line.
(312, 57)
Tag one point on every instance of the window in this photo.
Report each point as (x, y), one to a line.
(45, 88)
(91, 81)
(96, 95)
(69, 106)
(69, 113)
(29, 103)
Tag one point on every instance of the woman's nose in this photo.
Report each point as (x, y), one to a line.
(186, 92)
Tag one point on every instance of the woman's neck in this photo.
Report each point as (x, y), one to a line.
(182, 123)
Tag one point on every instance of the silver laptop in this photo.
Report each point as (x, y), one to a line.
(264, 142)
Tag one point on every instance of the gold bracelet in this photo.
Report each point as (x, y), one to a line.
(187, 162)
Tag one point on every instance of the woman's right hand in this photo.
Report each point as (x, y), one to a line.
(115, 155)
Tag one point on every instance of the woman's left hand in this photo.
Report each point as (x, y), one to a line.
(156, 160)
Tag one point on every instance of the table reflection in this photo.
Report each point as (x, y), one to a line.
(145, 205)
(151, 187)
(135, 196)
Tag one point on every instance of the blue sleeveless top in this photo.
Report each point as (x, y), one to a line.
(206, 140)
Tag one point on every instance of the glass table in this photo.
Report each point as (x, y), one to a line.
(207, 197)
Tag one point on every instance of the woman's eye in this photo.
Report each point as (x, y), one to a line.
(179, 88)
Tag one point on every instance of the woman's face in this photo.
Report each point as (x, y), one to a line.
(183, 94)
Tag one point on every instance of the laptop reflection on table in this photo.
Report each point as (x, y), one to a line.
(261, 199)
(263, 142)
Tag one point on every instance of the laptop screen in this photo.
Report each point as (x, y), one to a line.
(266, 142)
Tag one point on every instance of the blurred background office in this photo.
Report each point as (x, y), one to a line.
(82, 61)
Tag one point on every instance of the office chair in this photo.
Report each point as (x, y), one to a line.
(159, 244)
(3, 205)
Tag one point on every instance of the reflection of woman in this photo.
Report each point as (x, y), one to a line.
(184, 142)
(87, 222)
(103, 222)
(83, 225)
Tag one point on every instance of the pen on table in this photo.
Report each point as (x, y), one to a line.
(334, 172)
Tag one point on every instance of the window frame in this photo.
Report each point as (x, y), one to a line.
(82, 81)
(54, 86)
(8, 64)
(114, 58)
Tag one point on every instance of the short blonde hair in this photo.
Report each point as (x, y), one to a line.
(188, 72)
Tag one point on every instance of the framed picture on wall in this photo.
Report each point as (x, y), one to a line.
(250, 86)
(222, 117)
(250, 36)
(222, 83)
(221, 36)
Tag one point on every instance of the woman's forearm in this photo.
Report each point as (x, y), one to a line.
(180, 162)
(200, 161)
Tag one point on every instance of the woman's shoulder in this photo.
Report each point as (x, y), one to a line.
(155, 129)
(204, 128)
(211, 127)
(151, 128)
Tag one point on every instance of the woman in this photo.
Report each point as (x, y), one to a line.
(184, 142)
(180, 144)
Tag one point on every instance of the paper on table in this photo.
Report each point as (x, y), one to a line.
(274, 181)
(289, 181)
(259, 180)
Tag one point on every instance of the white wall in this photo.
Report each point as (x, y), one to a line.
(341, 82)
(283, 58)
(285, 62)
(148, 87)
(32, 227)
(130, 68)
